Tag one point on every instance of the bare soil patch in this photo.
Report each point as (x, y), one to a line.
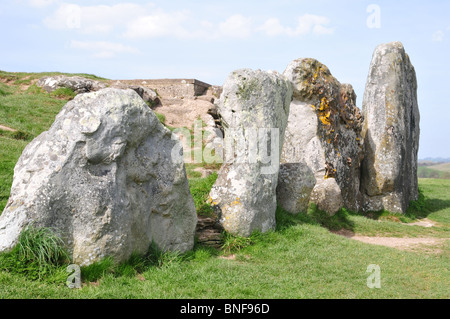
(425, 244)
(6, 128)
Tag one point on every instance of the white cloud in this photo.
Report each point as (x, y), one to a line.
(158, 24)
(319, 29)
(307, 24)
(103, 49)
(94, 19)
(236, 26)
(41, 3)
(438, 36)
(272, 27)
(145, 21)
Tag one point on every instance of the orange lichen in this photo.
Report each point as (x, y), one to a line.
(324, 112)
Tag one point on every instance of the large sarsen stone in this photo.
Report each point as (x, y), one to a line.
(254, 108)
(105, 178)
(323, 132)
(391, 129)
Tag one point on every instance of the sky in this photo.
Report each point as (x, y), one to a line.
(207, 40)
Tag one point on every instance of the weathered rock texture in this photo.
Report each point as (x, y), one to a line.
(295, 184)
(324, 130)
(245, 190)
(77, 84)
(148, 95)
(174, 88)
(391, 128)
(209, 232)
(104, 177)
(327, 196)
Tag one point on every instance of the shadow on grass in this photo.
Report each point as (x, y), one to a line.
(435, 204)
(140, 263)
(418, 209)
(314, 216)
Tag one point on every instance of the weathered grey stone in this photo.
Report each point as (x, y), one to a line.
(75, 83)
(105, 177)
(391, 129)
(295, 183)
(324, 128)
(327, 196)
(251, 105)
(147, 94)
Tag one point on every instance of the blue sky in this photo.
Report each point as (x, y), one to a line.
(207, 40)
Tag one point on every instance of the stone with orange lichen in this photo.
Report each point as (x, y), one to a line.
(324, 127)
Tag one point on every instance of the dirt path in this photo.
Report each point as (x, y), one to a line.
(5, 128)
(428, 244)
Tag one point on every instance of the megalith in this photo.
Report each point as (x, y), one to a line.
(253, 108)
(323, 133)
(391, 129)
(106, 179)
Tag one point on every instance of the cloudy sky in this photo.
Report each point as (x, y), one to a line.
(206, 40)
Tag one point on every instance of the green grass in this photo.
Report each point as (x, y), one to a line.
(25, 78)
(29, 113)
(39, 254)
(301, 259)
(10, 150)
(4, 89)
(161, 118)
(200, 188)
(64, 93)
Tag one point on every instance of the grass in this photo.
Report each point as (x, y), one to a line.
(301, 258)
(200, 188)
(18, 78)
(10, 150)
(64, 94)
(38, 254)
(4, 89)
(161, 118)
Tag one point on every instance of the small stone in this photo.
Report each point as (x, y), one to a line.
(327, 196)
(295, 183)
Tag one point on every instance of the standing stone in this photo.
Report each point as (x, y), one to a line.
(323, 132)
(254, 107)
(105, 179)
(391, 128)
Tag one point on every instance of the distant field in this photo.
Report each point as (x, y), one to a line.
(440, 171)
(445, 167)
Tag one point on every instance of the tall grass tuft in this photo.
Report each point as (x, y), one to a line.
(64, 93)
(41, 245)
(39, 253)
(233, 243)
